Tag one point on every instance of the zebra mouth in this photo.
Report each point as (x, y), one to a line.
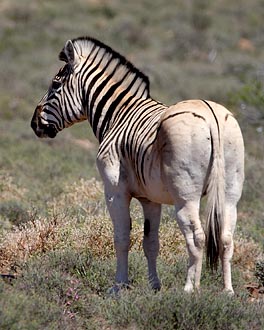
(44, 131)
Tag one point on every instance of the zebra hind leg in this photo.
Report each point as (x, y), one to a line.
(187, 214)
(152, 213)
(227, 245)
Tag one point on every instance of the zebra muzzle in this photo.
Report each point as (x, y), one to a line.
(43, 131)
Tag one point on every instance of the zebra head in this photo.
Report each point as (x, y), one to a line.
(61, 106)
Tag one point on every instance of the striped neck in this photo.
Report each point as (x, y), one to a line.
(110, 83)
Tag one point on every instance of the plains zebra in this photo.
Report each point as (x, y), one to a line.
(151, 152)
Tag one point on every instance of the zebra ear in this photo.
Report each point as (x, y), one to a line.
(67, 53)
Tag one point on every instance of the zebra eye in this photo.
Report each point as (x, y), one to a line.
(56, 84)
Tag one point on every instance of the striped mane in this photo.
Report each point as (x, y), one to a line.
(85, 45)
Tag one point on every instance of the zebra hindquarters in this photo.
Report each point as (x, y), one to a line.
(185, 147)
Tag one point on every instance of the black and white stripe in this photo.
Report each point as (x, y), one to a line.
(112, 94)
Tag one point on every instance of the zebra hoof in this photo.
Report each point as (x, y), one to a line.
(117, 288)
(229, 292)
(155, 286)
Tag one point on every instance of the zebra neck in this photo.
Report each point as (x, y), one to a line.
(104, 106)
(109, 82)
(137, 120)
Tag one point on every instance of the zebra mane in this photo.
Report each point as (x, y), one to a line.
(84, 46)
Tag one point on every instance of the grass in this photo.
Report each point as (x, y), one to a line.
(55, 232)
(61, 271)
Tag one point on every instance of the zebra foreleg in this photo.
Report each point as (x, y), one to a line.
(118, 206)
(152, 212)
(187, 214)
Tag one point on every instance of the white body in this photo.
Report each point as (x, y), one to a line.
(185, 162)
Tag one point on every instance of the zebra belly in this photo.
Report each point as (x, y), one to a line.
(175, 172)
(174, 183)
(158, 193)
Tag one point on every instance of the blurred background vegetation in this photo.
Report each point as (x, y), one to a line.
(188, 48)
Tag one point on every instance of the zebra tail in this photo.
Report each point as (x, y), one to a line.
(215, 208)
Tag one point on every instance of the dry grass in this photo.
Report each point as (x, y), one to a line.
(16, 246)
(78, 220)
(67, 260)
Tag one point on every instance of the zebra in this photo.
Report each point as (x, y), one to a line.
(154, 153)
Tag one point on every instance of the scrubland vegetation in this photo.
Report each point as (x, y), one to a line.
(55, 232)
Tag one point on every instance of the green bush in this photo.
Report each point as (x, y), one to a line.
(22, 310)
(64, 289)
(173, 309)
